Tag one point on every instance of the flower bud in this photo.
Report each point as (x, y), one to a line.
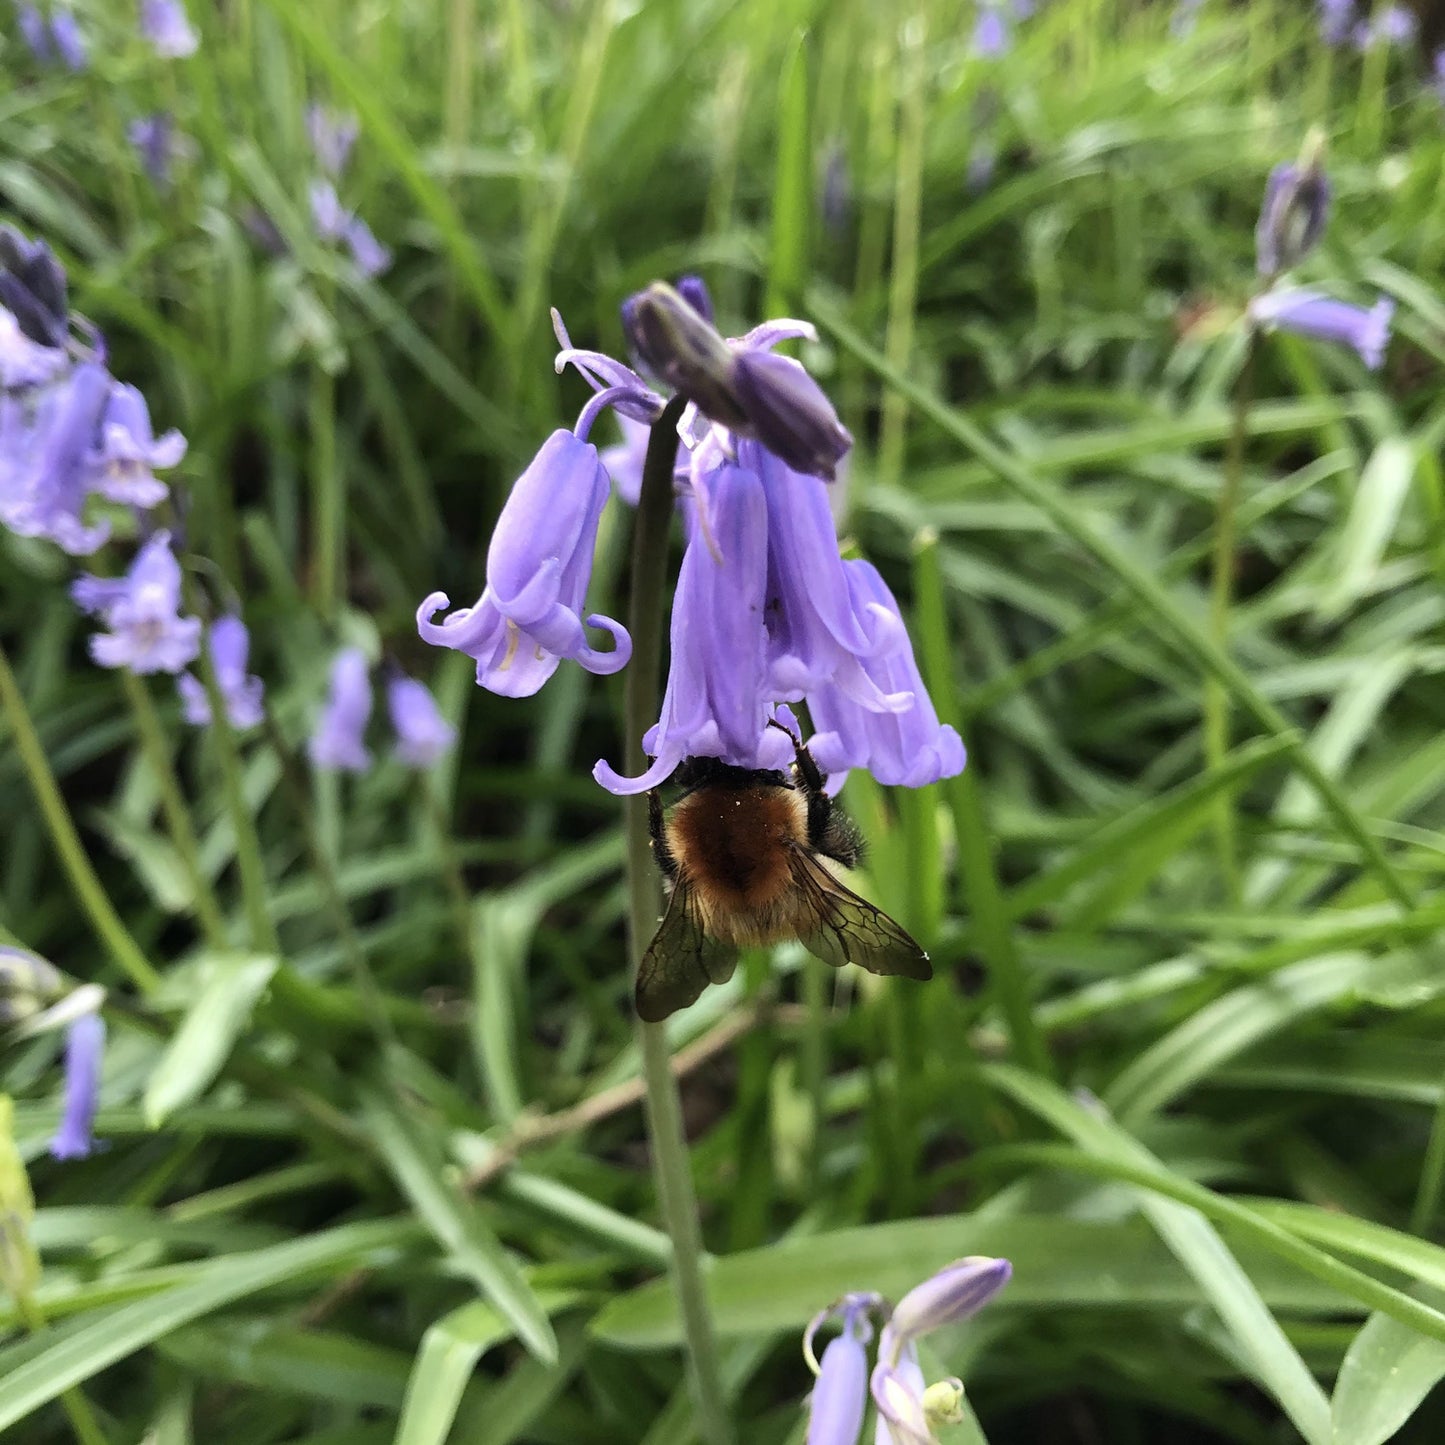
(788, 412)
(682, 348)
(693, 290)
(943, 1402)
(27, 982)
(955, 1292)
(1292, 219)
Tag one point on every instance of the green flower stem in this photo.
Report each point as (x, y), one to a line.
(815, 1063)
(173, 805)
(328, 493)
(127, 953)
(1432, 1174)
(1221, 597)
(670, 1162)
(976, 864)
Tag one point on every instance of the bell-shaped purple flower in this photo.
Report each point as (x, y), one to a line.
(1322, 318)
(84, 1045)
(69, 42)
(423, 735)
(369, 255)
(835, 1411)
(32, 288)
(717, 702)
(328, 215)
(1336, 20)
(991, 38)
(242, 693)
(164, 24)
(44, 460)
(24, 362)
(142, 610)
(154, 137)
(957, 1291)
(338, 741)
(905, 747)
(121, 467)
(34, 31)
(332, 136)
(1292, 219)
(538, 567)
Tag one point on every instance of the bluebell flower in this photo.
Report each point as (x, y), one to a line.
(84, 1045)
(423, 735)
(333, 222)
(1322, 318)
(1292, 218)
(34, 30)
(121, 466)
(23, 362)
(164, 24)
(154, 137)
(1395, 25)
(142, 612)
(835, 1412)
(69, 42)
(954, 1293)
(1336, 20)
(1437, 68)
(991, 38)
(32, 288)
(982, 162)
(332, 136)
(337, 743)
(369, 255)
(45, 451)
(539, 564)
(243, 694)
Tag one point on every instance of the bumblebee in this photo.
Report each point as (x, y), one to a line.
(750, 856)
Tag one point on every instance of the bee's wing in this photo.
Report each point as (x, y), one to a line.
(848, 929)
(681, 960)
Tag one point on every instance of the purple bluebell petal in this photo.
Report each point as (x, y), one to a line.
(991, 38)
(337, 743)
(24, 362)
(908, 747)
(332, 136)
(1312, 314)
(1336, 20)
(623, 462)
(145, 630)
(34, 31)
(164, 24)
(370, 256)
(32, 286)
(788, 412)
(84, 1045)
(897, 1391)
(244, 694)
(120, 467)
(328, 215)
(716, 702)
(835, 1415)
(154, 137)
(539, 565)
(423, 735)
(603, 373)
(69, 42)
(957, 1291)
(693, 290)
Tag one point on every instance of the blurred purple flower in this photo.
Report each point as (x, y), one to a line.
(154, 137)
(370, 256)
(982, 161)
(957, 1291)
(715, 703)
(164, 24)
(898, 1389)
(32, 286)
(991, 38)
(34, 31)
(835, 193)
(328, 215)
(423, 735)
(45, 449)
(332, 136)
(1309, 313)
(58, 38)
(142, 611)
(242, 693)
(538, 566)
(1437, 68)
(121, 467)
(24, 362)
(1336, 20)
(337, 742)
(1292, 218)
(84, 1045)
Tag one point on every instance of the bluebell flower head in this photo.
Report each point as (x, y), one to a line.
(121, 466)
(991, 38)
(1396, 25)
(328, 215)
(32, 288)
(423, 735)
(154, 137)
(1292, 219)
(142, 612)
(243, 694)
(45, 452)
(23, 362)
(1336, 20)
(538, 567)
(338, 741)
(835, 1411)
(164, 24)
(69, 42)
(369, 255)
(332, 136)
(1322, 318)
(84, 1045)
(34, 31)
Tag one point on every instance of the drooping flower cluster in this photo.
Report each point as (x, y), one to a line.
(338, 740)
(908, 1407)
(1291, 222)
(332, 137)
(766, 611)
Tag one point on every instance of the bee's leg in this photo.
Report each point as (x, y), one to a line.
(656, 832)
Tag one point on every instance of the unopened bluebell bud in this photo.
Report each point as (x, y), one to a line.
(1292, 219)
(789, 413)
(958, 1290)
(27, 983)
(693, 290)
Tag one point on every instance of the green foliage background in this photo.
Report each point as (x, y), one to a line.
(307, 1226)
